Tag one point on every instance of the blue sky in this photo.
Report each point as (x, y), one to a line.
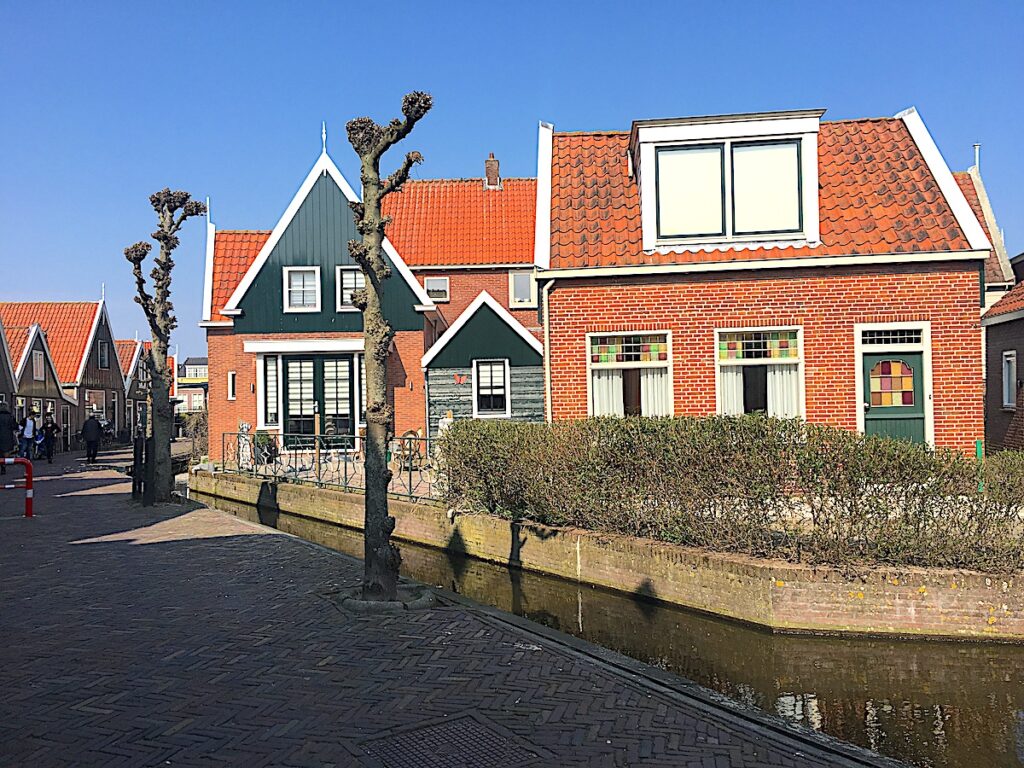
(104, 103)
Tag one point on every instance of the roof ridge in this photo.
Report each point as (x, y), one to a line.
(592, 133)
(466, 179)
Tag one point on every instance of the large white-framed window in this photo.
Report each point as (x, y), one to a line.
(19, 408)
(38, 363)
(232, 385)
(438, 289)
(522, 290)
(301, 289)
(270, 392)
(629, 373)
(760, 370)
(349, 280)
(1010, 379)
(103, 354)
(197, 401)
(733, 189)
(492, 398)
(96, 403)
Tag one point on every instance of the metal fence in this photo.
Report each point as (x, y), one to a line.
(334, 461)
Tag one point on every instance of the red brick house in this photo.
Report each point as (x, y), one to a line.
(764, 262)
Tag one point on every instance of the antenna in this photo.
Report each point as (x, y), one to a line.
(977, 157)
(323, 135)
(103, 291)
(136, 334)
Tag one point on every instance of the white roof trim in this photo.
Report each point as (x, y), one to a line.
(1006, 317)
(7, 355)
(211, 236)
(132, 366)
(542, 230)
(216, 324)
(994, 231)
(101, 311)
(304, 345)
(965, 217)
(323, 165)
(37, 330)
(479, 301)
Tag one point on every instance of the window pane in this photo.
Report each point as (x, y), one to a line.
(522, 288)
(300, 404)
(351, 279)
(755, 345)
(766, 188)
(490, 387)
(436, 288)
(632, 348)
(302, 288)
(1009, 381)
(270, 394)
(690, 192)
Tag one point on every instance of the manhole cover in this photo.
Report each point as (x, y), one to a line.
(459, 741)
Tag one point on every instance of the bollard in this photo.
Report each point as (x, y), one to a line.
(28, 482)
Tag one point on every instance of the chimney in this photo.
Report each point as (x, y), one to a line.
(977, 157)
(491, 178)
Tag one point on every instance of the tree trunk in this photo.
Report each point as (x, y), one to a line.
(162, 419)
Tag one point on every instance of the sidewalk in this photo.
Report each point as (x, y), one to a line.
(179, 636)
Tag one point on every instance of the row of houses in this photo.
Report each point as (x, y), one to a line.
(61, 359)
(778, 262)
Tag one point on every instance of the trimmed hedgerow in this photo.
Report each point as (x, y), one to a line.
(753, 485)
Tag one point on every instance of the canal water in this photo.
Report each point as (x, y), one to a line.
(929, 703)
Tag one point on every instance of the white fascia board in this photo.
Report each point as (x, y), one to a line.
(1006, 317)
(994, 231)
(324, 165)
(754, 264)
(303, 345)
(730, 130)
(20, 368)
(483, 298)
(542, 227)
(101, 312)
(132, 366)
(965, 217)
(216, 324)
(524, 265)
(211, 236)
(7, 355)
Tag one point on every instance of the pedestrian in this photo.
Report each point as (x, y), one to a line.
(29, 425)
(8, 432)
(50, 431)
(91, 433)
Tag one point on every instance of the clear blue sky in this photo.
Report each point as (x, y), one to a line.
(104, 103)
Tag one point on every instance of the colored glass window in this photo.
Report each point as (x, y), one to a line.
(892, 384)
(629, 348)
(758, 345)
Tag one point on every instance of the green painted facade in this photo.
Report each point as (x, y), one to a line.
(318, 235)
(486, 336)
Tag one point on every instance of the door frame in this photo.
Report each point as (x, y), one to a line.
(925, 348)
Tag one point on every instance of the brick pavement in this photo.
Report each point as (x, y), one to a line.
(170, 636)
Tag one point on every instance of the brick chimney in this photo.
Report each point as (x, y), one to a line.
(492, 180)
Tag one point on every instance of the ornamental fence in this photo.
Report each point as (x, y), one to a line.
(331, 461)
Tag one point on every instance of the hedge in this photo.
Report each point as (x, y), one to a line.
(751, 484)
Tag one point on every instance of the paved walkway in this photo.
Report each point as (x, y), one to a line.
(170, 636)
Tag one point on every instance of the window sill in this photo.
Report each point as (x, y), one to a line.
(492, 415)
(301, 310)
(1008, 408)
(347, 309)
(523, 306)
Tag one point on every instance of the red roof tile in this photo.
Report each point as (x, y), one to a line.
(17, 338)
(993, 270)
(441, 222)
(1012, 301)
(876, 196)
(67, 324)
(125, 353)
(233, 252)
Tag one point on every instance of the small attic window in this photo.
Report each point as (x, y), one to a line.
(766, 187)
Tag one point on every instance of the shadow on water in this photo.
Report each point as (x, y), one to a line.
(929, 703)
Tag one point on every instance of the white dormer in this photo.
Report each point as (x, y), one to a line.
(728, 181)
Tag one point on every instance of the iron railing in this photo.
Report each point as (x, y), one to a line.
(335, 461)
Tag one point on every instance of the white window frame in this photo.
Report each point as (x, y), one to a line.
(529, 304)
(924, 347)
(338, 305)
(799, 362)
(286, 307)
(447, 288)
(1009, 359)
(38, 366)
(261, 393)
(669, 363)
(508, 389)
(103, 355)
(88, 411)
(232, 385)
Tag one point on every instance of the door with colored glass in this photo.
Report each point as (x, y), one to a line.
(894, 395)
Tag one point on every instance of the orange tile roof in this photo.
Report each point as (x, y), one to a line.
(993, 270)
(125, 352)
(457, 222)
(67, 324)
(1012, 301)
(234, 250)
(17, 338)
(876, 196)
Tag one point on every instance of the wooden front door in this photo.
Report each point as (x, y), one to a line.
(894, 395)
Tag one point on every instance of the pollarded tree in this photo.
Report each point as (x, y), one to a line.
(371, 141)
(172, 210)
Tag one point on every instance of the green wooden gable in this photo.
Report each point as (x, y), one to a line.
(318, 235)
(485, 335)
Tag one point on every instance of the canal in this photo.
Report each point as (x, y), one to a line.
(930, 703)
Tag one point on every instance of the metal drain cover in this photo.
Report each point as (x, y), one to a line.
(466, 740)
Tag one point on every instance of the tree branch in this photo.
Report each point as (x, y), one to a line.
(395, 181)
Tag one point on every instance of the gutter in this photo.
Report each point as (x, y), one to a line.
(547, 350)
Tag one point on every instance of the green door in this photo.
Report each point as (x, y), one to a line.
(319, 387)
(894, 395)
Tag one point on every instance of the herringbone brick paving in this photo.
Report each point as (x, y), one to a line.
(132, 637)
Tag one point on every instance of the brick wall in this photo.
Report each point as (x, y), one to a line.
(1004, 428)
(464, 285)
(826, 303)
(226, 353)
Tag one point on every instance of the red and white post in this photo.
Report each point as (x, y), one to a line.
(26, 483)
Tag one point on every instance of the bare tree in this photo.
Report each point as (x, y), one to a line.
(370, 141)
(172, 210)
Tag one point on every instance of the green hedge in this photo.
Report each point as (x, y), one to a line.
(754, 485)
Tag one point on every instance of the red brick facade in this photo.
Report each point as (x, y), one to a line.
(826, 303)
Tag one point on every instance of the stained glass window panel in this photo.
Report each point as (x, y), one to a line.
(758, 345)
(891, 384)
(629, 348)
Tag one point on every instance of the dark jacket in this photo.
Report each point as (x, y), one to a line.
(91, 430)
(7, 427)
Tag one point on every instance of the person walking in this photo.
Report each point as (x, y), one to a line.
(8, 432)
(50, 432)
(29, 425)
(92, 432)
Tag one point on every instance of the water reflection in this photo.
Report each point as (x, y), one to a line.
(929, 703)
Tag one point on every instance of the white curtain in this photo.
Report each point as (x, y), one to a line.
(606, 393)
(730, 390)
(655, 396)
(784, 391)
